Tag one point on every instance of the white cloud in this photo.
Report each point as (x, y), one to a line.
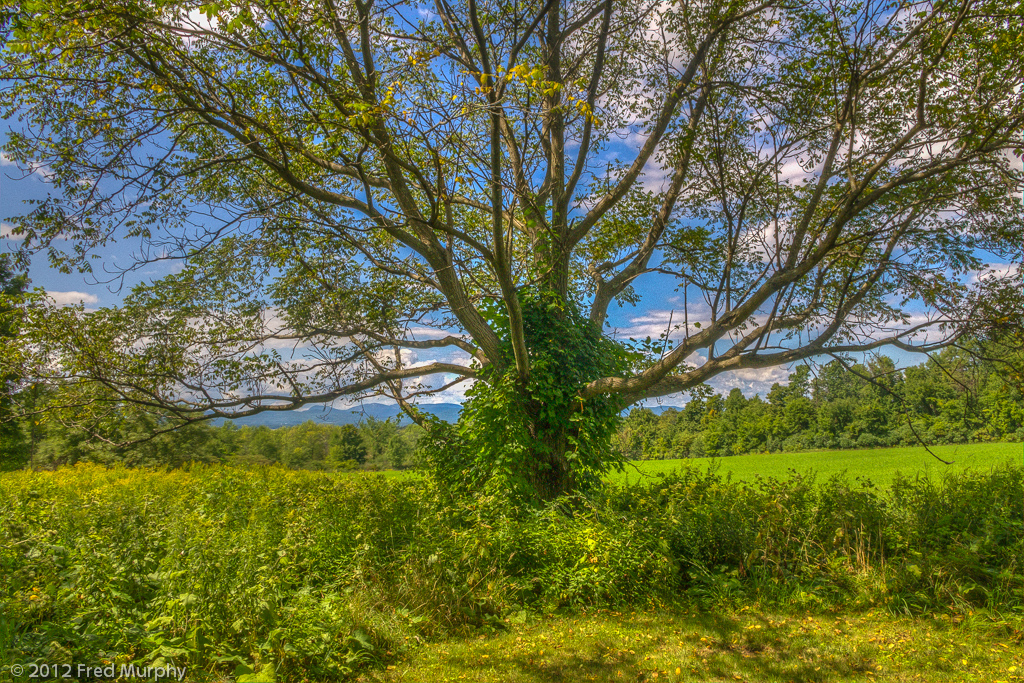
(453, 394)
(34, 168)
(7, 233)
(793, 171)
(193, 24)
(1016, 163)
(751, 381)
(654, 322)
(424, 333)
(71, 298)
(764, 241)
(6, 230)
(995, 271)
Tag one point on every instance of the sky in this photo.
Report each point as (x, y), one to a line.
(659, 300)
(650, 317)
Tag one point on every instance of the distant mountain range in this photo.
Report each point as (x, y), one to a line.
(449, 412)
(337, 416)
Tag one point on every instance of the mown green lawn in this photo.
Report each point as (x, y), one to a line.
(880, 465)
(744, 646)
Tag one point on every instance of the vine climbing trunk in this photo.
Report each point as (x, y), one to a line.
(539, 439)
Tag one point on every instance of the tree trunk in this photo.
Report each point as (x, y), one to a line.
(549, 472)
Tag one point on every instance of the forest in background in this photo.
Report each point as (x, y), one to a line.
(371, 445)
(958, 396)
(961, 395)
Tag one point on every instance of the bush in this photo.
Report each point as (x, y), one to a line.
(794, 444)
(869, 440)
(321, 576)
(931, 543)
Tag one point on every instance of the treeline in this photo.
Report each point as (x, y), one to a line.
(371, 445)
(955, 397)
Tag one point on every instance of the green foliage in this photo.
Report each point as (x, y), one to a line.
(209, 567)
(13, 447)
(543, 439)
(319, 577)
(954, 398)
(920, 544)
(959, 396)
(345, 206)
(347, 448)
(370, 445)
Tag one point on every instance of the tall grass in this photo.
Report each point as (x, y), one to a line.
(317, 577)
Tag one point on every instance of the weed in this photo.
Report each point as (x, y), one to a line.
(233, 572)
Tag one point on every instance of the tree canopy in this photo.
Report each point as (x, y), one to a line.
(481, 180)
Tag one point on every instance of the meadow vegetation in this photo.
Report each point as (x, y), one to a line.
(290, 575)
(316, 171)
(880, 466)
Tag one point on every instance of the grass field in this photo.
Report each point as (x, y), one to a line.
(678, 647)
(880, 465)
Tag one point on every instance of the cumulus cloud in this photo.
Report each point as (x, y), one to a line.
(751, 381)
(43, 171)
(7, 232)
(794, 172)
(425, 333)
(71, 298)
(1016, 163)
(655, 177)
(995, 271)
(654, 322)
(453, 394)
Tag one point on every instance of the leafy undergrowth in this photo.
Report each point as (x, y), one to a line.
(298, 576)
(743, 645)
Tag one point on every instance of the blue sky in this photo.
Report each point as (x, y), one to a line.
(650, 317)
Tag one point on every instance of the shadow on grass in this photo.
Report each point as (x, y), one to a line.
(702, 647)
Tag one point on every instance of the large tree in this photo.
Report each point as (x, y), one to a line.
(479, 180)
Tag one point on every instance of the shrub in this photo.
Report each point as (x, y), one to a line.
(320, 576)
